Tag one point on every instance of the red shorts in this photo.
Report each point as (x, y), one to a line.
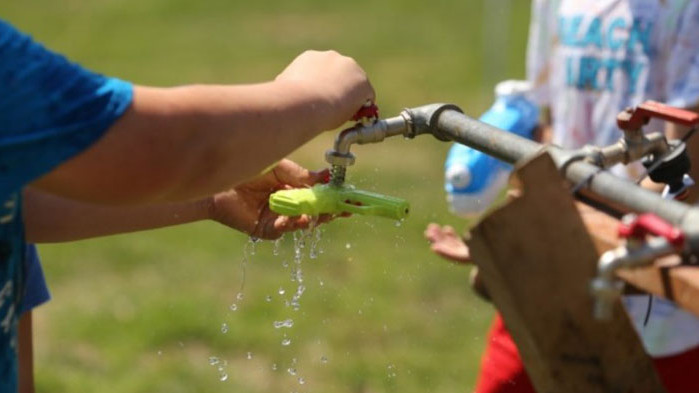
(502, 370)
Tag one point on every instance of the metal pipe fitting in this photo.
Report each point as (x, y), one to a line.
(627, 149)
(447, 123)
(606, 288)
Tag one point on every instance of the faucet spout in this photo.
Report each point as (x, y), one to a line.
(606, 288)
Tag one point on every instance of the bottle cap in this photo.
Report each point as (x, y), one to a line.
(512, 88)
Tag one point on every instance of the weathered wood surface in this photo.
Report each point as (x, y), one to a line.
(536, 259)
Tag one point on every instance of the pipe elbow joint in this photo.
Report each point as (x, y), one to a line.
(423, 120)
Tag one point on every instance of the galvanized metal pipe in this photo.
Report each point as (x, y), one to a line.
(454, 125)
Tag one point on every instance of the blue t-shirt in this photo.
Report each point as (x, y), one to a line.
(50, 110)
(36, 292)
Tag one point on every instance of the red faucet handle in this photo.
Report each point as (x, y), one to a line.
(635, 118)
(367, 111)
(650, 224)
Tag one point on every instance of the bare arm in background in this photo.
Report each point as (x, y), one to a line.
(182, 143)
(51, 218)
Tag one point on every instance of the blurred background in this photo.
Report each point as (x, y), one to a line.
(160, 312)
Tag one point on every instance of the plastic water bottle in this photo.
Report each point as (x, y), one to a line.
(474, 179)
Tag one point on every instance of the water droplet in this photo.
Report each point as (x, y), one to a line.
(249, 356)
(301, 381)
(323, 359)
(286, 342)
(233, 307)
(224, 328)
(291, 371)
(277, 246)
(213, 360)
(287, 323)
(281, 291)
(253, 244)
(348, 246)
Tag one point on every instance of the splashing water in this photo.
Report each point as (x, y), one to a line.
(277, 246)
(233, 307)
(315, 235)
(224, 328)
(287, 323)
(286, 342)
(301, 381)
(253, 244)
(391, 371)
(220, 365)
(291, 371)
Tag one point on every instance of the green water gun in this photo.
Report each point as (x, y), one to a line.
(333, 199)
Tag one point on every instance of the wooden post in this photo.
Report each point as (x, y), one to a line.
(536, 259)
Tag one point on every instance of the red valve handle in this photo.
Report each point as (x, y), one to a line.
(368, 111)
(650, 224)
(633, 119)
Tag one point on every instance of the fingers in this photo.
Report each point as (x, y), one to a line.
(293, 174)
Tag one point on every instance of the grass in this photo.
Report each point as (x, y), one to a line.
(143, 312)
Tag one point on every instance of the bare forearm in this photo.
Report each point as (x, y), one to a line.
(49, 218)
(181, 143)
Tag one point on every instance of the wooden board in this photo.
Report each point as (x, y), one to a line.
(537, 259)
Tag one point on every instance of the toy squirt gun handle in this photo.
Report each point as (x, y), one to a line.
(328, 199)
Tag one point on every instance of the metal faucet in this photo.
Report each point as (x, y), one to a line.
(409, 123)
(637, 252)
(340, 156)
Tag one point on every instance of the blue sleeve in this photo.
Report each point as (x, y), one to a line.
(36, 292)
(50, 109)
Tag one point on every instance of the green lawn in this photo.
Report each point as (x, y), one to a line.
(144, 312)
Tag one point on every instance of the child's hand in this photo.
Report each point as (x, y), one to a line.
(447, 243)
(337, 82)
(246, 207)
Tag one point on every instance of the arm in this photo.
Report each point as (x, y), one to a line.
(25, 354)
(52, 218)
(180, 143)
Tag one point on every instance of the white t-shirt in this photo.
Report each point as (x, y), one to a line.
(590, 59)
